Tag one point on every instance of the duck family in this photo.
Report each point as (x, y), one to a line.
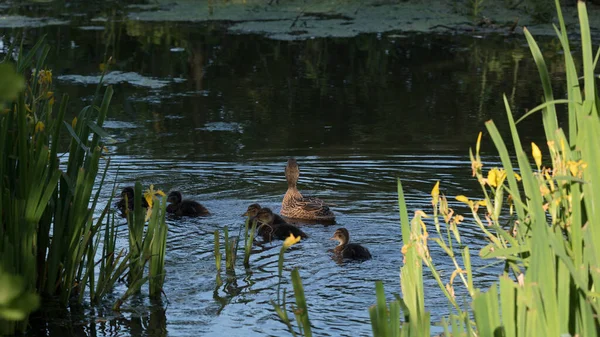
(269, 226)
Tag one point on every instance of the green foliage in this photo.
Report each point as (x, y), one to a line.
(385, 322)
(230, 251)
(217, 250)
(249, 234)
(280, 305)
(157, 248)
(49, 238)
(15, 303)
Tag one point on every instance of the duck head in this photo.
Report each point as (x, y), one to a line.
(292, 172)
(174, 197)
(265, 215)
(341, 235)
(252, 210)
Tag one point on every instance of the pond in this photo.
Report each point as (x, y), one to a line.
(216, 115)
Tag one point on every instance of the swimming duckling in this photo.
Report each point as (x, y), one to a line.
(296, 206)
(253, 210)
(270, 230)
(349, 250)
(126, 203)
(184, 207)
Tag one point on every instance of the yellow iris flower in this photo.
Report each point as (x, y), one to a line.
(290, 241)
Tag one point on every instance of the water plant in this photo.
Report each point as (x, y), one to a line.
(49, 193)
(300, 310)
(541, 223)
(249, 234)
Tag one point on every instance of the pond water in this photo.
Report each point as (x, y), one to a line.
(216, 115)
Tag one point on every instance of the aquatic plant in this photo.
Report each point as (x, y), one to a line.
(156, 243)
(15, 303)
(50, 238)
(541, 223)
(230, 250)
(300, 310)
(385, 322)
(249, 234)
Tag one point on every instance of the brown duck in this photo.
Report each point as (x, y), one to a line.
(126, 202)
(349, 250)
(297, 206)
(186, 207)
(253, 210)
(269, 230)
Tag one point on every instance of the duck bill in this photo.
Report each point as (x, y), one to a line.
(245, 214)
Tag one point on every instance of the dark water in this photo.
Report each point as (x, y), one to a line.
(217, 115)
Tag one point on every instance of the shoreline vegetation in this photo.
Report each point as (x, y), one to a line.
(300, 20)
(55, 243)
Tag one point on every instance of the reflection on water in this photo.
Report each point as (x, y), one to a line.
(216, 116)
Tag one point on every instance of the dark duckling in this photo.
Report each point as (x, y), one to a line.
(349, 250)
(186, 207)
(269, 230)
(126, 203)
(253, 210)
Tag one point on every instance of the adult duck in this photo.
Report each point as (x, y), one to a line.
(297, 206)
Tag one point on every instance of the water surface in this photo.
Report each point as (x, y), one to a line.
(216, 116)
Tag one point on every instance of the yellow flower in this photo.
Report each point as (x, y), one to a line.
(74, 122)
(576, 167)
(45, 77)
(290, 240)
(462, 198)
(517, 176)
(482, 203)
(49, 94)
(39, 126)
(435, 193)
(537, 155)
(496, 177)
(150, 193)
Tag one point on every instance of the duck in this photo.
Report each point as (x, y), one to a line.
(269, 230)
(297, 206)
(349, 250)
(186, 207)
(127, 201)
(253, 210)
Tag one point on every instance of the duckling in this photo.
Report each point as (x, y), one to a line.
(184, 207)
(126, 203)
(270, 230)
(253, 210)
(296, 206)
(349, 250)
